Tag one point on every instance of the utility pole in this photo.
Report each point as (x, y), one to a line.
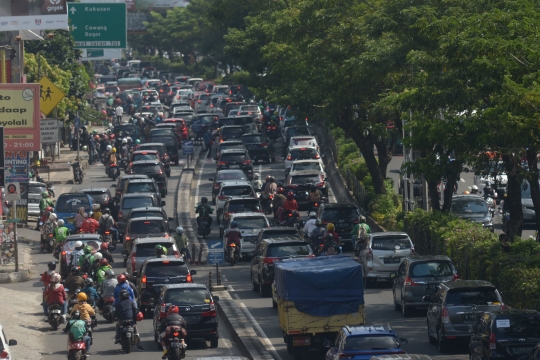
(13, 217)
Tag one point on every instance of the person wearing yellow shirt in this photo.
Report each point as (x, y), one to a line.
(84, 308)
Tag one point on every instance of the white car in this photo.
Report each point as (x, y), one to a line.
(182, 95)
(202, 105)
(232, 188)
(5, 353)
(252, 110)
(303, 140)
(301, 153)
(300, 165)
(250, 225)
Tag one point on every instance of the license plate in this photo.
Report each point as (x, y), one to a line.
(128, 329)
(70, 220)
(234, 166)
(176, 344)
(431, 286)
(392, 260)
(522, 350)
(471, 317)
(55, 311)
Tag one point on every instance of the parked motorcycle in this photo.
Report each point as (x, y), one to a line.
(232, 255)
(204, 228)
(55, 315)
(77, 172)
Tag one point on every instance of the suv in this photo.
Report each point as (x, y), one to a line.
(231, 132)
(147, 155)
(163, 153)
(232, 105)
(149, 211)
(153, 169)
(157, 272)
(67, 206)
(343, 216)
(259, 147)
(120, 184)
(457, 305)
(235, 159)
(143, 227)
(171, 143)
(364, 342)
(131, 201)
(225, 175)
(278, 232)
(232, 189)
(505, 334)
(270, 250)
(195, 304)
(301, 153)
(230, 144)
(100, 195)
(419, 276)
(382, 254)
(239, 204)
(300, 182)
(249, 224)
(472, 208)
(133, 186)
(300, 165)
(143, 249)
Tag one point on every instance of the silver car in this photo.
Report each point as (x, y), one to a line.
(144, 248)
(250, 225)
(34, 196)
(232, 188)
(382, 254)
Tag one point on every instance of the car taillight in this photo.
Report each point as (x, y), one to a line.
(492, 341)
(289, 157)
(264, 144)
(189, 279)
(143, 282)
(120, 215)
(227, 214)
(246, 162)
(321, 184)
(63, 255)
(456, 277)
(4, 354)
(445, 317)
(199, 101)
(222, 197)
(212, 312)
(370, 255)
(216, 186)
(107, 232)
(127, 238)
(162, 311)
(160, 172)
(222, 163)
(408, 282)
(317, 156)
(412, 250)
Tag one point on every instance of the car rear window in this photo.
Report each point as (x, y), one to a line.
(251, 223)
(523, 326)
(36, 190)
(469, 296)
(244, 206)
(166, 268)
(145, 168)
(99, 197)
(305, 179)
(299, 154)
(251, 108)
(336, 214)
(236, 191)
(284, 250)
(141, 187)
(297, 131)
(228, 132)
(279, 233)
(147, 227)
(357, 343)
(162, 131)
(137, 157)
(167, 140)
(306, 166)
(252, 139)
(70, 244)
(130, 203)
(187, 296)
(231, 176)
(391, 243)
(148, 250)
(146, 214)
(431, 268)
(204, 97)
(233, 157)
(159, 149)
(72, 203)
(230, 121)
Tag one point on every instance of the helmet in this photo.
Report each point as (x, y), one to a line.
(88, 282)
(329, 237)
(53, 217)
(106, 138)
(44, 194)
(49, 209)
(96, 137)
(104, 246)
(204, 200)
(78, 244)
(267, 178)
(82, 297)
(106, 211)
(121, 278)
(159, 249)
(256, 175)
(76, 315)
(98, 256)
(109, 273)
(124, 294)
(51, 265)
(330, 227)
(55, 278)
(94, 132)
(474, 187)
(313, 215)
(139, 316)
(295, 214)
(124, 141)
(362, 219)
(113, 136)
(96, 207)
(179, 230)
(88, 249)
(271, 178)
(234, 225)
(280, 190)
(138, 142)
(488, 183)
(173, 309)
(113, 150)
(107, 94)
(290, 195)
(85, 148)
(103, 262)
(60, 223)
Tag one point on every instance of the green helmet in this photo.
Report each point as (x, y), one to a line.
(88, 249)
(44, 195)
(137, 141)
(159, 249)
(94, 132)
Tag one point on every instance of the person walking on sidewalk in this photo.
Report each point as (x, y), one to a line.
(119, 111)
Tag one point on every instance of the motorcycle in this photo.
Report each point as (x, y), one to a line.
(72, 301)
(76, 350)
(47, 239)
(267, 204)
(314, 206)
(114, 171)
(177, 350)
(77, 172)
(232, 255)
(128, 338)
(108, 238)
(204, 228)
(108, 308)
(272, 132)
(123, 163)
(55, 316)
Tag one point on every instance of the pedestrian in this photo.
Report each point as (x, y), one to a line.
(91, 149)
(72, 137)
(119, 112)
(208, 142)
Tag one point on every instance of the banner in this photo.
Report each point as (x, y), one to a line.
(7, 243)
(17, 166)
(153, 4)
(34, 15)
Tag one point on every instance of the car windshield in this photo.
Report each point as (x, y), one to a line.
(206, 118)
(299, 154)
(147, 227)
(306, 166)
(305, 179)
(99, 196)
(69, 245)
(70, 203)
(125, 131)
(466, 297)
(252, 139)
(232, 132)
(166, 268)
(141, 187)
(236, 191)
(137, 157)
(167, 140)
(250, 108)
(158, 148)
(233, 157)
(336, 214)
(279, 233)
(431, 268)
(237, 175)
(145, 168)
(187, 297)
(251, 223)
(230, 121)
(391, 243)
(130, 203)
(522, 326)
(162, 131)
(470, 205)
(148, 250)
(356, 343)
(34, 189)
(284, 250)
(244, 206)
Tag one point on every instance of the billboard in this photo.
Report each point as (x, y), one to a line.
(33, 15)
(153, 4)
(19, 115)
(17, 166)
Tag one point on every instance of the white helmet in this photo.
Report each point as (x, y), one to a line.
(53, 217)
(313, 215)
(129, 138)
(98, 256)
(55, 278)
(109, 147)
(60, 223)
(78, 244)
(124, 141)
(474, 187)
(256, 175)
(96, 207)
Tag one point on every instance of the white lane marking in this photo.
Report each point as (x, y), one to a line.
(331, 197)
(226, 343)
(230, 288)
(224, 278)
(199, 181)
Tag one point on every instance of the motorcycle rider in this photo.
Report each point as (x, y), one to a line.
(131, 284)
(55, 293)
(233, 236)
(60, 234)
(317, 234)
(107, 287)
(91, 293)
(182, 242)
(161, 252)
(330, 229)
(74, 281)
(78, 330)
(111, 160)
(86, 311)
(360, 232)
(106, 222)
(279, 200)
(290, 203)
(46, 276)
(474, 190)
(122, 285)
(269, 189)
(76, 254)
(124, 150)
(104, 250)
(314, 196)
(126, 309)
(92, 272)
(310, 225)
(204, 210)
(48, 228)
(89, 226)
(330, 243)
(79, 219)
(86, 261)
(172, 319)
(137, 145)
(44, 203)
(488, 190)
(256, 183)
(101, 272)
(292, 220)
(96, 210)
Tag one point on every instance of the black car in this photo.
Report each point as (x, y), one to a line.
(230, 144)
(259, 147)
(142, 185)
(278, 232)
(152, 211)
(171, 143)
(125, 130)
(131, 201)
(270, 250)
(100, 195)
(235, 159)
(164, 130)
(300, 182)
(343, 216)
(505, 334)
(163, 153)
(225, 175)
(231, 132)
(154, 170)
(156, 273)
(195, 304)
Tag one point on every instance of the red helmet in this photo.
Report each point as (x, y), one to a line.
(113, 136)
(173, 309)
(268, 177)
(290, 195)
(104, 262)
(104, 246)
(140, 316)
(121, 278)
(280, 190)
(49, 209)
(97, 137)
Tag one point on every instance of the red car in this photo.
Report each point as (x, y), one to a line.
(181, 127)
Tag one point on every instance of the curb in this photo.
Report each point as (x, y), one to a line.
(15, 277)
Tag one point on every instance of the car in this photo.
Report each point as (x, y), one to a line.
(155, 170)
(232, 106)
(401, 357)
(249, 224)
(35, 189)
(303, 140)
(382, 254)
(473, 208)
(93, 240)
(343, 216)
(67, 206)
(187, 116)
(259, 147)
(267, 252)
(239, 204)
(144, 248)
(203, 103)
(5, 352)
(293, 131)
(142, 186)
(131, 201)
(125, 130)
(221, 89)
(363, 342)
(240, 119)
(232, 188)
(171, 143)
(155, 273)
(252, 110)
(230, 144)
(164, 131)
(529, 215)
(505, 334)
(181, 127)
(150, 211)
(147, 94)
(301, 153)
(163, 153)
(235, 159)
(231, 132)
(214, 102)
(146, 155)
(195, 304)
(225, 175)
(100, 195)
(419, 276)
(119, 186)
(277, 232)
(300, 182)
(300, 165)
(455, 306)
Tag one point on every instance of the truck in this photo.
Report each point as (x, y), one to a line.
(315, 298)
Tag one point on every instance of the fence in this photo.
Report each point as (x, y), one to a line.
(355, 187)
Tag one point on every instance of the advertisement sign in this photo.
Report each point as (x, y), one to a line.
(19, 115)
(49, 131)
(49, 96)
(154, 4)
(17, 166)
(33, 15)
(13, 191)
(22, 204)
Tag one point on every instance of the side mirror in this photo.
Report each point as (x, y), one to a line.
(216, 298)
(393, 275)
(12, 342)
(403, 341)
(426, 298)
(170, 218)
(193, 272)
(163, 203)
(135, 274)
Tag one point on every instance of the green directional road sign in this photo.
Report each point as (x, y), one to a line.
(99, 25)
(95, 53)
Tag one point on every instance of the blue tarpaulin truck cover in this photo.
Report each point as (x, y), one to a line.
(321, 286)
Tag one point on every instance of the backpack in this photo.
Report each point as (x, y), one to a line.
(86, 263)
(103, 223)
(77, 330)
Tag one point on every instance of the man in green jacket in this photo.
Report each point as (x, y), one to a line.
(360, 232)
